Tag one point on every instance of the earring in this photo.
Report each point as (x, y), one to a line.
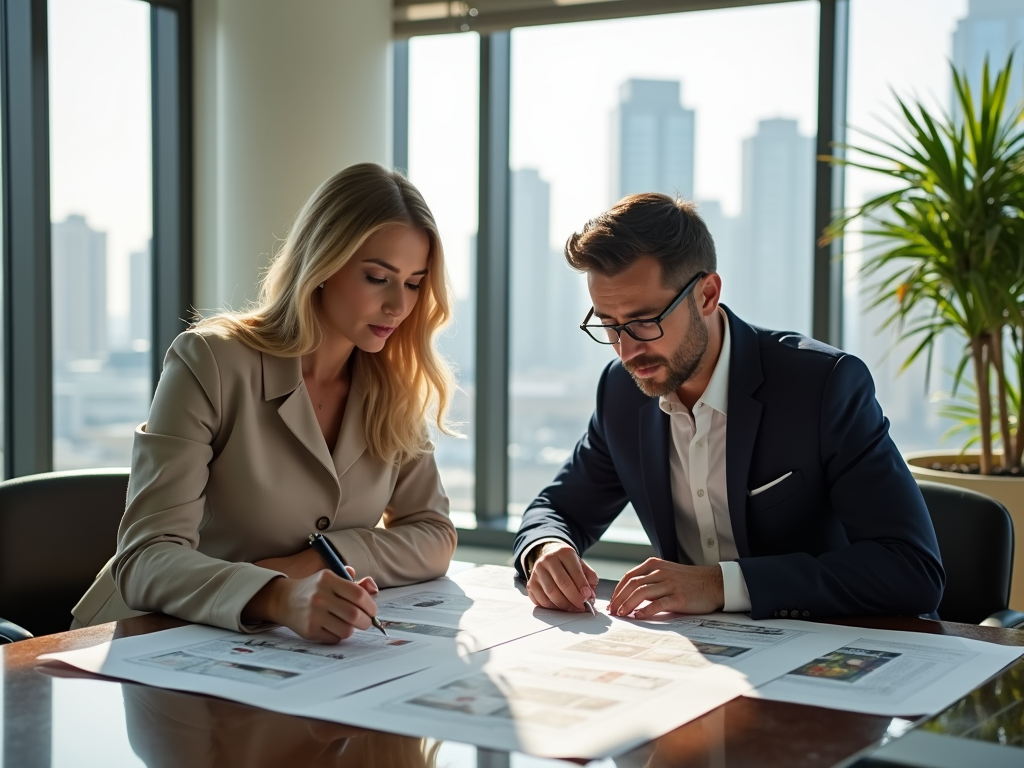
(321, 285)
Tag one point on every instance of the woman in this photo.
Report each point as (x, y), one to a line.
(306, 413)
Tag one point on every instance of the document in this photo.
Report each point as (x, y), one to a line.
(270, 669)
(428, 625)
(882, 672)
(762, 650)
(477, 617)
(588, 689)
(470, 658)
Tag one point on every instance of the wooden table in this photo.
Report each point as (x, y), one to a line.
(75, 722)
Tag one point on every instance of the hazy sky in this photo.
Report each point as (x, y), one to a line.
(100, 126)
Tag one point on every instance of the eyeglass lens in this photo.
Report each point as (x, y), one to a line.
(641, 330)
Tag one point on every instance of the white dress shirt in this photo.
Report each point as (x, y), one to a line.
(698, 478)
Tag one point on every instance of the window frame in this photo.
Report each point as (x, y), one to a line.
(27, 300)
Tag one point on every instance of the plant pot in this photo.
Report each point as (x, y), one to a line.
(1009, 491)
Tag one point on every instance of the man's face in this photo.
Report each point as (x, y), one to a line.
(663, 365)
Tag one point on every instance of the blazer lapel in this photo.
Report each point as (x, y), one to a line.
(745, 376)
(283, 376)
(352, 437)
(655, 444)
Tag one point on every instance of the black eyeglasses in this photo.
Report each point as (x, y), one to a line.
(644, 329)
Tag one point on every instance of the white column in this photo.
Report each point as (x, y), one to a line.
(287, 92)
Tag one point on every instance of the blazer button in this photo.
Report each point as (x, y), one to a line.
(322, 524)
(783, 614)
(805, 614)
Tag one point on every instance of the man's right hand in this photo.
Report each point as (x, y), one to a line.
(560, 579)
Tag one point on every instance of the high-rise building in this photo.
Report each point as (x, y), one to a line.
(991, 28)
(652, 140)
(776, 258)
(79, 291)
(725, 232)
(545, 293)
(140, 310)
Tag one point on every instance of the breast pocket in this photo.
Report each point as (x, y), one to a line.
(773, 493)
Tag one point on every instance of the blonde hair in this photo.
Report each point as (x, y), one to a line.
(407, 381)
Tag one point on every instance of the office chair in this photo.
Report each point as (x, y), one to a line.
(975, 536)
(56, 532)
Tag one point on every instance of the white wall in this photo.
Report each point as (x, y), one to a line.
(286, 93)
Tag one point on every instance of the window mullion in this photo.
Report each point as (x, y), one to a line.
(172, 178)
(28, 364)
(828, 179)
(492, 287)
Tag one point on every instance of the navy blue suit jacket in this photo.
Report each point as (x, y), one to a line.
(847, 533)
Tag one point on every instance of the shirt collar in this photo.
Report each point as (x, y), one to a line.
(717, 393)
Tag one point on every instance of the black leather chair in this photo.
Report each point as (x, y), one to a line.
(975, 536)
(56, 532)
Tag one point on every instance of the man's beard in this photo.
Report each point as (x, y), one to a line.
(681, 366)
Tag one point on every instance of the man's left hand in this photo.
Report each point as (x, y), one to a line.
(667, 586)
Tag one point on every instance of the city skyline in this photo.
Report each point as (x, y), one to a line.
(101, 377)
(731, 119)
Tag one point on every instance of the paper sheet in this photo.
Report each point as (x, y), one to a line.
(590, 688)
(271, 669)
(493, 670)
(479, 617)
(882, 672)
(429, 624)
(569, 692)
(761, 650)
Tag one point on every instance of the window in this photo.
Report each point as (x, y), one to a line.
(3, 354)
(883, 59)
(443, 162)
(686, 104)
(101, 209)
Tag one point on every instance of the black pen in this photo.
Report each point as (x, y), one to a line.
(332, 559)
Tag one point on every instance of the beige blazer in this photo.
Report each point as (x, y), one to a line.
(232, 468)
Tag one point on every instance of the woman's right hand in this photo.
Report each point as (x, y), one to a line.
(324, 607)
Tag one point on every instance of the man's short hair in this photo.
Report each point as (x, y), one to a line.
(649, 224)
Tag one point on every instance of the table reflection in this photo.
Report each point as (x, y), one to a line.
(167, 729)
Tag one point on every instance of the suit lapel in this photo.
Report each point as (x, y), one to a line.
(655, 444)
(352, 437)
(283, 376)
(745, 376)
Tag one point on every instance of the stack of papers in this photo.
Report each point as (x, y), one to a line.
(472, 659)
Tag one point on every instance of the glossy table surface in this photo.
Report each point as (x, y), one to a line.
(55, 717)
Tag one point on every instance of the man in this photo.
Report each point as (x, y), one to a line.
(758, 461)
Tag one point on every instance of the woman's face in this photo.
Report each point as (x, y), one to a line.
(367, 299)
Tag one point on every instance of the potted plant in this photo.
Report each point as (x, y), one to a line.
(951, 260)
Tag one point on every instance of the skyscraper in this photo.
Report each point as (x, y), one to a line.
(652, 140)
(776, 259)
(991, 28)
(545, 293)
(725, 232)
(79, 291)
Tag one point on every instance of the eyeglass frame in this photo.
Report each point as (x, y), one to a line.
(656, 320)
